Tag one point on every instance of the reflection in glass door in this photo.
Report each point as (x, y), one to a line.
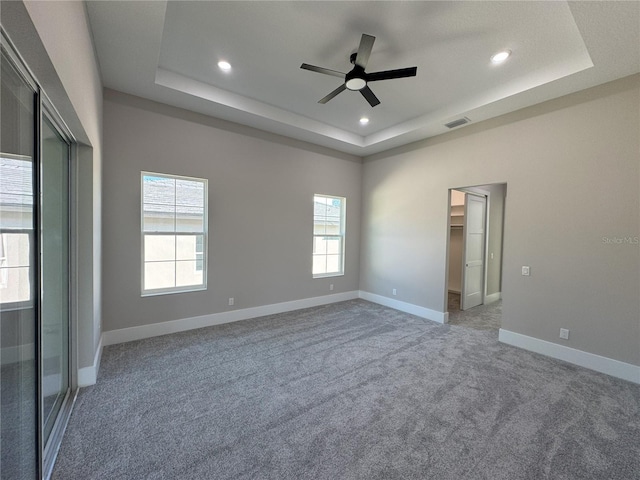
(18, 371)
(54, 265)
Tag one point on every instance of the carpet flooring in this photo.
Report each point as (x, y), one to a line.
(482, 317)
(351, 390)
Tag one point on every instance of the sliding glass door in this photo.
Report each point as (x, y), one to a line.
(54, 272)
(35, 259)
(18, 319)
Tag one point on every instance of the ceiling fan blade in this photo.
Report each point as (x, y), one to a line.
(341, 88)
(326, 71)
(391, 74)
(369, 95)
(364, 50)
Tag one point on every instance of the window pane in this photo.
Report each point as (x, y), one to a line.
(159, 218)
(334, 245)
(14, 250)
(189, 219)
(190, 193)
(319, 228)
(319, 245)
(187, 247)
(200, 252)
(188, 274)
(334, 263)
(159, 247)
(319, 264)
(159, 190)
(16, 196)
(333, 227)
(159, 275)
(14, 284)
(322, 200)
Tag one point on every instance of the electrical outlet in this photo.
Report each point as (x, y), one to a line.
(331, 286)
(526, 271)
(564, 333)
(395, 292)
(232, 301)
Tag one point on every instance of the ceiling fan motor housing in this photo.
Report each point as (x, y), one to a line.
(355, 79)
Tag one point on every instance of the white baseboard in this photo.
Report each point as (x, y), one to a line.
(88, 375)
(615, 368)
(440, 317)
(19, 353)
(123, 335)
(494, 297)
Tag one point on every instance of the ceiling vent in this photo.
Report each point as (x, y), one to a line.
(457, 123)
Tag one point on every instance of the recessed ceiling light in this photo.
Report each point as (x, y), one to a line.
(364, 121)
(224, 66)
(500, 56)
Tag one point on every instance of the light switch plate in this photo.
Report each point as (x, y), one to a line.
(526, 271)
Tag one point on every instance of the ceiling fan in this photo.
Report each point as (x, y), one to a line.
(357, 78)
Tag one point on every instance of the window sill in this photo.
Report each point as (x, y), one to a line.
(328, 275)
(155, 293)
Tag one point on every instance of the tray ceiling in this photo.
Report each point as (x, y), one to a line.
(168, 52)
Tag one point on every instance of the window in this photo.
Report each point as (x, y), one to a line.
(328, 236)
(174, 234)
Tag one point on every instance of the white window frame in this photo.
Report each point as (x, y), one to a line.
(341, 235)
(204, 233)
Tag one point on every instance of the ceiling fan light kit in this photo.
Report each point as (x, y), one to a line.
(357, 79)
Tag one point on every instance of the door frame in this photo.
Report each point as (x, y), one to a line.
(479, 189)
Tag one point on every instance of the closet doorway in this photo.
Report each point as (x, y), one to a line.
(474, 254)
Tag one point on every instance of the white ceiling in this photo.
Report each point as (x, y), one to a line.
(168, 52)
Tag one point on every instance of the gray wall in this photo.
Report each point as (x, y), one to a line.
(573, 167)
(261, 190)
(55, 40)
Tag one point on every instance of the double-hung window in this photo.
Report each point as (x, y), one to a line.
(328, 235)
(174, 234)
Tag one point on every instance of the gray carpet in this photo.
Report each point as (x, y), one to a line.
(347, 391)
(17, 420)
(482, 317)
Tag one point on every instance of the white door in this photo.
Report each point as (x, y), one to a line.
(475, 210)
